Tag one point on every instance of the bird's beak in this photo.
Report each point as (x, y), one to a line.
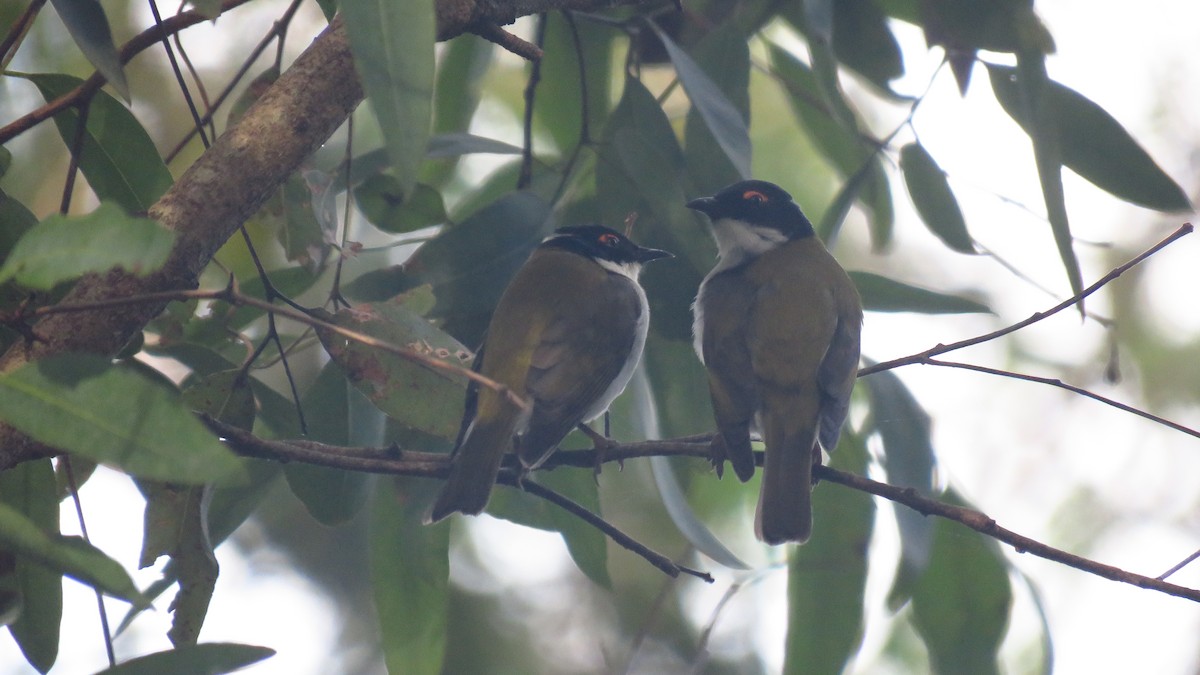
(645, 255)
(705, 205)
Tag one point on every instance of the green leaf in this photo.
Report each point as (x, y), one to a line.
(880, 294)
(904, 428)
(86, 22)
(213, 658)
(71, 556)
(418, 397)
(226, 395)
(725, 55)
(15, 221)
(685, 518)
(310, 218)
(66, 247)
(392, 44)
(468, 265)
(1093, 143)
(459, 143)
(383, 201)
(557, 106)
(962, 603)
(935, 202)
(118, 158)
(175, 525)
(332, 496)
(827, 576)
(410, 571)
(641, 170)
(724, 120)
(30, 490)
(112, 414)
(863, 41)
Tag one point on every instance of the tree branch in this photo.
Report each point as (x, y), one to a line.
(392, 460)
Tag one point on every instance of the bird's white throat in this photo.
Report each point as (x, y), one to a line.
(739, 241)
(625, 269)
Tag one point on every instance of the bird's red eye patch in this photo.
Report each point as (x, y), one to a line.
(754, 196)
(609, 239)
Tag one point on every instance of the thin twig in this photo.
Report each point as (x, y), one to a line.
(235, 297)
(77, 144)
(535, 76)
(937, 350)
(104, 628)
(1054, 382)
(983, 524)
(178, 73)
(1178, 566)
(18, 31)
(660, 561)
(90, 86)
(495, 34)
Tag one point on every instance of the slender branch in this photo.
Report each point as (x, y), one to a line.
(535, 76)
(983, 524)
(392, 460)
(660, 561)
(142, 41)
(1180, 565)
(493, 33)
(1054, 382)
(231, 295)
(937, 350)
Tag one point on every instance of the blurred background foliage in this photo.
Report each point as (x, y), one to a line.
(631, 112)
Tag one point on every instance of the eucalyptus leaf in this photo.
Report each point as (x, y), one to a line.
(905, 429)
(118, 157)
(1093, 143)
(961, 605)
(86, 22)
(393, 48)
(71, 556)
(697, 534)
(410, 577)
(881, 294)
(727, 124)
(29, 488)
(82, 404)
(935, 202)
(827, 576)
(212, 658)
(416, 396)
(66, 247)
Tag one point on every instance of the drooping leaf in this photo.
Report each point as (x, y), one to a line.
(863, 41)
(310, 218)
(332, 496)
(175, 525)
(453, 144)
(29, 489)
(935, 202)
(962, 603)
(66, 247)
(468, 265)
(211, 658)
(414, 395)
(81, 404)
(725, 55)
(686, 520)
(827, 576)
(727, 124)
(384, 203)
(904, 427)
(1004, 26)
(71, 556)
(881, 294)
(1093, 143)
(559, 101)
(118, 157)
(410, 576)
(86, 22)
(393, 52)
(640, 170)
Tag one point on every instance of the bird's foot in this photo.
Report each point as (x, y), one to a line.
(601, 444)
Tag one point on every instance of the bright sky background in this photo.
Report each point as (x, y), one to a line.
(1013, 448)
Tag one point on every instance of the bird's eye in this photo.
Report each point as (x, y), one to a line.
(609, 239)
(754, 196)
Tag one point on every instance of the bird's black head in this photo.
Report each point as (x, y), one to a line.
(602, 244)
(756, 203)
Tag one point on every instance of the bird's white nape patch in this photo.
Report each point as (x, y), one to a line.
(738, 241)
(625, 269)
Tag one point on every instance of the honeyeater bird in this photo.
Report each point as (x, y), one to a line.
(777, 325)
(566, 336)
